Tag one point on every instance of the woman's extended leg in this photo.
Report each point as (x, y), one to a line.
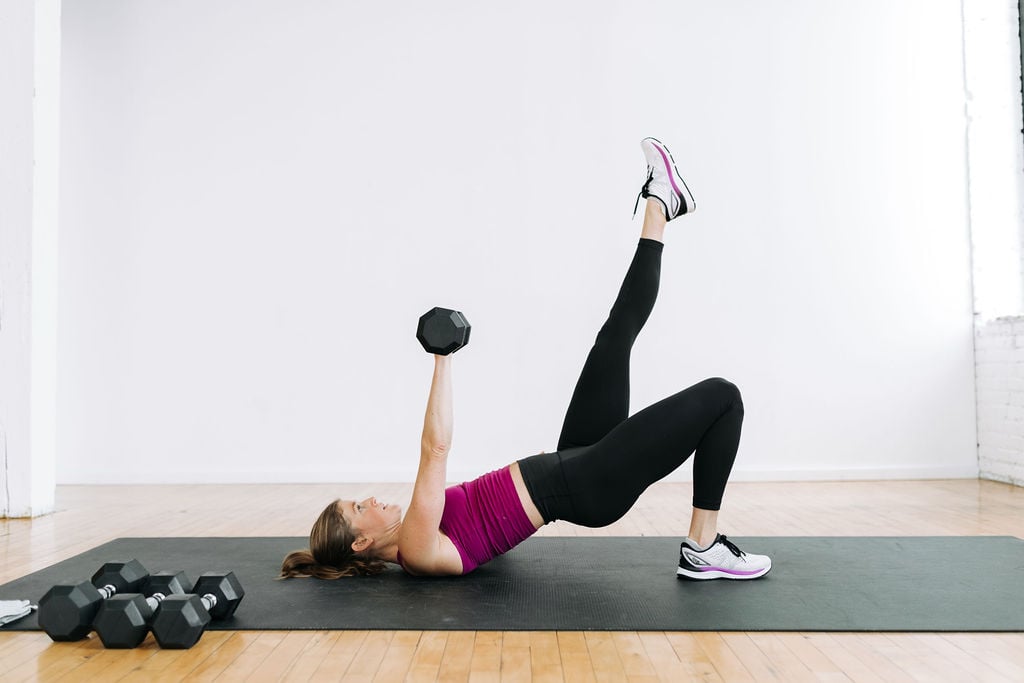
(601, 398)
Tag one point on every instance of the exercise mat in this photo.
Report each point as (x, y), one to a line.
(609, 583)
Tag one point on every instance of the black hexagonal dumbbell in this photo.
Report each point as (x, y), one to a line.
(67, 610)
(443, 331)
(180, 620)
(123, 620)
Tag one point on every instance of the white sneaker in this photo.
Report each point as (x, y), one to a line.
(664, 182)
(723, 560)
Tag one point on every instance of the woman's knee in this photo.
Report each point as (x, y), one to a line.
(729, 392)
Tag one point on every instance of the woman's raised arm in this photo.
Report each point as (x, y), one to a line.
(437, 423)
(419, 539)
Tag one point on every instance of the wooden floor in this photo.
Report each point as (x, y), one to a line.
(90, 515)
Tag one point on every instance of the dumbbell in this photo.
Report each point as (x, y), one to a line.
(67, 610)
(443, 331)
(180, 620)
(123, 620)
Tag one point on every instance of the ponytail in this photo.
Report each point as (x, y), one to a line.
(330, 555)
(300, 563)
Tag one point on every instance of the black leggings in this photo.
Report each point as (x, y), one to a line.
(606, 459)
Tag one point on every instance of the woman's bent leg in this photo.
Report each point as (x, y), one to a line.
(604, 480)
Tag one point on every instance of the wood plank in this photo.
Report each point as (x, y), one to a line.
(281, 658)
(575, 656)
(727, 664)
(843, 659)
(247, 662)
(58, 658)
(93, 660)
(755, 661)
(787, 665)
(398, 658)
(515, 657)
(457, 658)
(545, 658)
(989, 648)
(426, 661)
(947, 648)
(22, 648)
(635, 662)
(312, 655)
(122, 663)
(901, 649)
(694, 659)
(485, 666)
(604, 656)
(817, 663)
(228, 649)
(874, 650)
(663, 657)
(33, 659)
(369, 657)
(340, 656)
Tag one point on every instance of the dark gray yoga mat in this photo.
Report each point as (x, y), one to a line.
(610, 583)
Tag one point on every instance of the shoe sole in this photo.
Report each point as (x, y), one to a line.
(718, 574)
(689, 204)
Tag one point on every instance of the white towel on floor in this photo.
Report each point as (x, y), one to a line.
(12, 610)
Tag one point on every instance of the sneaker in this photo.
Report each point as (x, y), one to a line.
(723, 560)
(664, 182)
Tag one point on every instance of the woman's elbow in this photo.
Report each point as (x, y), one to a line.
(435, 447)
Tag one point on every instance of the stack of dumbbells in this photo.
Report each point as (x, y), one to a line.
(123, 602)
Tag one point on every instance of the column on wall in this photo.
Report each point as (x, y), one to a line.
(29, 125)
(992, 58)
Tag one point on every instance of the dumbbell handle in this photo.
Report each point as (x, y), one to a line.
(107, 591)
(209, 601)
(154, 600)
(110, 590)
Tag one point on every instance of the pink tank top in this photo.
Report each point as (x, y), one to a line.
(484, 518)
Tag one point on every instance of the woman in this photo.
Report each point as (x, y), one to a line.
(604, 461)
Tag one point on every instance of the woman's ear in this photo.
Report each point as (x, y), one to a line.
(361, 544)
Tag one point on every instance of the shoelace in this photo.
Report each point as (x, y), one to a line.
(731, 546)
(650, 177)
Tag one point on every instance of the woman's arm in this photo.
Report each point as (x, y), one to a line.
(419, 540)
(437, 424)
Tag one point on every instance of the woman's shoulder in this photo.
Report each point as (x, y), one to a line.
(444, 561)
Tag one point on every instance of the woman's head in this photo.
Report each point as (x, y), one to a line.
(338, 547)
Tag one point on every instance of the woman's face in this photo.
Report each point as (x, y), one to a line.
(369, 517)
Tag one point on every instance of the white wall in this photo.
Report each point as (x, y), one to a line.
(260, 198)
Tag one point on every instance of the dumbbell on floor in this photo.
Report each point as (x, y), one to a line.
(443, 331)
(123, 620)
(180, 620)
(67, 610)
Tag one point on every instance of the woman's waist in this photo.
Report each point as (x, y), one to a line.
(524, 496)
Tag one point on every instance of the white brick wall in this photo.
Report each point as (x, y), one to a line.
(999, 363)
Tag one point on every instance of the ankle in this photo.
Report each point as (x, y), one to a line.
(654, 222)
(705, 541)
(654, 212)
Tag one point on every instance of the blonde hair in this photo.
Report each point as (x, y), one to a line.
(330, 554)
